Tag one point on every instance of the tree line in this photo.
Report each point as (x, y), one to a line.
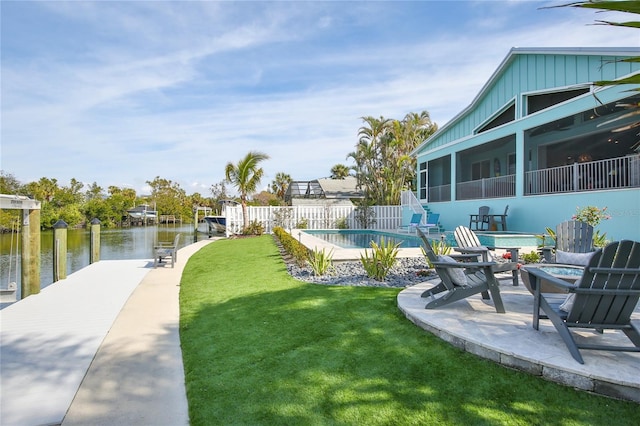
(383, 168)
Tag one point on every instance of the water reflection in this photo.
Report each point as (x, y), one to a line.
(115, 244)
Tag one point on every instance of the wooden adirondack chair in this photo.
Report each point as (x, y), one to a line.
(480, 219)
(460, 280)
(499, 220)
(166, 250)
(468, 242)
(603, 299)
(572, 236)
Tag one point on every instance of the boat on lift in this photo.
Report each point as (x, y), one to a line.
(218, 223)
(143, 212)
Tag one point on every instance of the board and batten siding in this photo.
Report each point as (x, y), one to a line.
(525, 73)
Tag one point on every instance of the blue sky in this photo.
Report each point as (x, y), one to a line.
(118, 93)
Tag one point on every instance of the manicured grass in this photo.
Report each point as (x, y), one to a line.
(261, 348)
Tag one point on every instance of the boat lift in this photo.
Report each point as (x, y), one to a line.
(30, 255)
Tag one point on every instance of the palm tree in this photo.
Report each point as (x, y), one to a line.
(245, 176)
(339, 171)
(280, 184)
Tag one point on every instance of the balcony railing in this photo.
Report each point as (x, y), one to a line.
(440, 193)
(613, 173)
(496, 187)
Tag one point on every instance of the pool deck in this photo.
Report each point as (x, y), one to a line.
(510, 340)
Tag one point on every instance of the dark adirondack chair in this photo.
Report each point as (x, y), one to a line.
(603, 299)
(468, 242)
(460, 280)
(166, 251)
(481, 219)
(499, 219)
(572, 236)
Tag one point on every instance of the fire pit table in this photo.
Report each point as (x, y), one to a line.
(569, 273)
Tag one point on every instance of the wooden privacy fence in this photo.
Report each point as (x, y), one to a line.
(316, 217)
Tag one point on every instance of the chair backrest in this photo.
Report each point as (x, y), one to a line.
(415, 219)
(574, 236)
(615, 268)
(428, 250)
(465, 237)
(433, 218)
(506, 209)
(176, 240)
(483, 212)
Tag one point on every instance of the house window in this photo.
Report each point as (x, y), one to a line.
(505, 117)
(511, 164)
(537, 103)
(423, 181)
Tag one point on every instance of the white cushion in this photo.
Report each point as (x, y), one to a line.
(568, 303)
(570, 258)
(457, 275)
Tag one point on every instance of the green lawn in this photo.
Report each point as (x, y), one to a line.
(261, 348)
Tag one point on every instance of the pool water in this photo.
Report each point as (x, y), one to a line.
(361, 238)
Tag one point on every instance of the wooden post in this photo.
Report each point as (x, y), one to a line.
(195, 225)
(30, 276)
(94, 251)
(59, 250)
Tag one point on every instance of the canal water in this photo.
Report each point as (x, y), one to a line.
(115, 244)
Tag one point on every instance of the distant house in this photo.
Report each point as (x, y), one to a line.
(542, 139)
(324, 191)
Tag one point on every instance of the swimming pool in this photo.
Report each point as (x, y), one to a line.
(361, 238)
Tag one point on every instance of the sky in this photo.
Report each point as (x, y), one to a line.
(120, 92)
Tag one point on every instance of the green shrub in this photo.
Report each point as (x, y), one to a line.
(292, 246)
(302, 223)
(320, 261)
(382, 259)
(440, 247)
(532, 257)
(341, 223)
(254, 228)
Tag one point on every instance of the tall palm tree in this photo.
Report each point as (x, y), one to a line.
(339, 171)
(280, 185)
(245, 176)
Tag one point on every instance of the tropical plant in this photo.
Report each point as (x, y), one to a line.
(364, 213)
(341, 223)
(320, 261)
(383, 162)
(339, 171)
(245, 176)
(382, 259)
(254, 228)
(280, 185)
(533, 257)
(591, 214)
(302, 223)
(440, 247)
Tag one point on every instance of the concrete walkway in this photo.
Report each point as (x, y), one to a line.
(98, 348)
(509, 339)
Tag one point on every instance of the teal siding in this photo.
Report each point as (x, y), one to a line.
(525, 73)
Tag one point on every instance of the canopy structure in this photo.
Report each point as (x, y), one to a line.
(18, 202)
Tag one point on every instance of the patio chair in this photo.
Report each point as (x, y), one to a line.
(603, 299)
(432, 222)
(468, 242)
(460, 280)
(166, 250)
(572, 236)
(499, 220)
(416, 218)
(480, 219)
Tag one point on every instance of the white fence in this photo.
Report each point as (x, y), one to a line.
(316, 217)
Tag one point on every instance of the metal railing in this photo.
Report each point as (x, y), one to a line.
(613, 173)
(496, 187)
(440, 193)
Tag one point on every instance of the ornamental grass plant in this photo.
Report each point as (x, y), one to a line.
(261, 348)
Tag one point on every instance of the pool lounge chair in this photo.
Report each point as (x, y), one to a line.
(416, 218)
(460, 280)
(603, 299)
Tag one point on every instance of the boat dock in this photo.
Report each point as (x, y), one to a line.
(99, 347)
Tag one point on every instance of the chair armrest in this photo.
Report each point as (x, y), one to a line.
(466, 265)
(613, 271)
(556, 282)
(475, 250)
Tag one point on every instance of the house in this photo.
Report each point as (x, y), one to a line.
(542, 139)
(324, 191)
